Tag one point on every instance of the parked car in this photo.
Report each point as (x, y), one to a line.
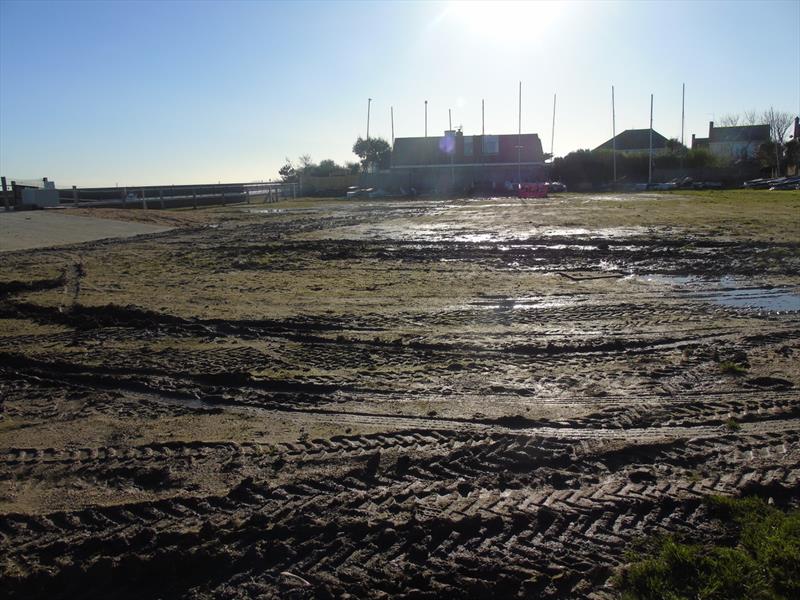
(532, 190)
(556, 186)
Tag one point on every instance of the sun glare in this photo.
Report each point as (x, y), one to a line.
(501, 19)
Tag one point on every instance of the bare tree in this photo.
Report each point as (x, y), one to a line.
(751, 117)
(729, 120)
(779, 122)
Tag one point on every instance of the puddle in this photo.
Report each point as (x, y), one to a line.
(519, 303)
(734, 293)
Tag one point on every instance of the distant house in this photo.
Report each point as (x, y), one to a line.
(733, 142)
(458, 160)
(636, 141)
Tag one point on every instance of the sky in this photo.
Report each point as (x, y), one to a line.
(127, 93)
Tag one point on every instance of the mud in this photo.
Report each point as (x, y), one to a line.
(470, 399)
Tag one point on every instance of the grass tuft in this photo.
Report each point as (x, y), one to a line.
(761, 563)
(732, 425)
(732, 368)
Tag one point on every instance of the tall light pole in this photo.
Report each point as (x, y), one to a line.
(450, 119)
(426, 118)
(369, 102)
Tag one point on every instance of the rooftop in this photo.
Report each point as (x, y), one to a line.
(635, 139)
(741, 133)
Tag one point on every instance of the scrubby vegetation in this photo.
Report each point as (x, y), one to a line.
(761, 559)
(732, 368)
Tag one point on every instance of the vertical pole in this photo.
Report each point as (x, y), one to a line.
(453, 153)
(613, 136)
(194, 198)
(483, 118)
(5, 193)
(369, 102)
(683, 112)
(426, 118)
(391, 115)
(650, 161)
(519, 137)
(75, 196)
(553, 128)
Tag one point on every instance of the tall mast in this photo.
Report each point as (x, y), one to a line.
(519, 137)
(650, 161)
(613, 135)
(683, 112)
(553, 128)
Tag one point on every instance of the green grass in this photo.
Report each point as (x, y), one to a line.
(732, 368)
(761, 562)
(733, 425)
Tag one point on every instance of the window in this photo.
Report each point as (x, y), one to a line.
(491, 144)
(468, 145)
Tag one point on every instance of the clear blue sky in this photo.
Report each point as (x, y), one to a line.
(100, 93)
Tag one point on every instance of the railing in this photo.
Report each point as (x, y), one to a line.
(174, 196)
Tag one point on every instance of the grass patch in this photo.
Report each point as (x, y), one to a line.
(731, 368)
(733, 425)
(761, 561)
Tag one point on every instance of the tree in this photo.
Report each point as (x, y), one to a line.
(288, 172)
(779, 122)
(305, 161)
(750, 117)
(373, 151)
(674, 146)
(326, 168)
(791, 152)
(730, 120)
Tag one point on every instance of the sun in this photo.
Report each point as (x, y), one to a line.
(501, 18)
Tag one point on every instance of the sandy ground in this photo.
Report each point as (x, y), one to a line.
(40, 229)
(481, 398)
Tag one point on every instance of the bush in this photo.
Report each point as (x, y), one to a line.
(595, 167)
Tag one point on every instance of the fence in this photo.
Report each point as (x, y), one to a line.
(176, 196)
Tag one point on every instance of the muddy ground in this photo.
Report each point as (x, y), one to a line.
(413, 399)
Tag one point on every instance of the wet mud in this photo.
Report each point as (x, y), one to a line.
(385, 400)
